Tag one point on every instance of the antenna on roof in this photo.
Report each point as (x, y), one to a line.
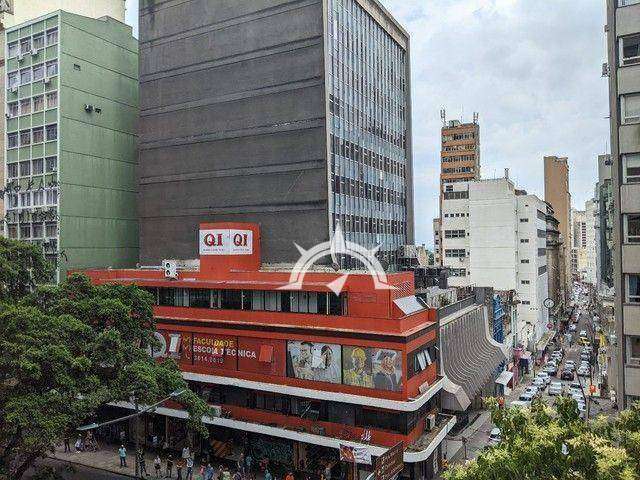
(475, 117)
(443, 116)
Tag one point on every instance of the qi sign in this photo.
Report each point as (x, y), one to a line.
(226, 242)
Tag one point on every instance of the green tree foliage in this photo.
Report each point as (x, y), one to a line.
(67, 350)
(22, 266)
(554, 443)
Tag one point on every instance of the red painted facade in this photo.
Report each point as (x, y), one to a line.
(367, 349)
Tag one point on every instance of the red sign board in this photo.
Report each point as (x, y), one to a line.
(260, 355)
(216, 351)
(390, 463)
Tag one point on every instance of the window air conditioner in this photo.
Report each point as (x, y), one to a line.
(46, 80)
(216, 410)
(14, 90)
(34, 52)
(20, 57)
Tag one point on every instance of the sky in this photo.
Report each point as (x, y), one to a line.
(532, 71)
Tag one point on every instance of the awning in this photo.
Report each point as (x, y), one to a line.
(410, 304)
(504, 378)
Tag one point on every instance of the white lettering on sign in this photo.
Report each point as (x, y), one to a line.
(226, 242)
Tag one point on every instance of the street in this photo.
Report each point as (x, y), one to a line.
(476, 435)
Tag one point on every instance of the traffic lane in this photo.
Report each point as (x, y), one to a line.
(69, 471)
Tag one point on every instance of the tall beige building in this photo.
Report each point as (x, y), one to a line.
(556, 193)
(14, 12)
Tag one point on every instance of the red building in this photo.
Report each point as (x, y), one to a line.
(295, 373)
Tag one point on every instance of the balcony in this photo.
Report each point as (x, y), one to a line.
(425, 445)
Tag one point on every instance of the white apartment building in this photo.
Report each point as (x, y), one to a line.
(591, 219)
(494, 235)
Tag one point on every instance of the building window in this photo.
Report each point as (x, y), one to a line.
(542, 252)
(25, 231)
(524, 220)
(524, 260)
(38, 198)
(25, 137)
(631, 168)
(38, 135)
(526, 302)
(630, 108)
(38, 72)
(629, 50)
(632, 228)
(624, 3)
(38, 41)
(25, 106)
(542, 270)
(38, 103)
(454, 234)
(38, 230)
(51, 229)
(51, 164)
(12, 170)
(52, 132)
(13, 79)
(524, 240)
(25, 46)
(25, 168)
(52, 196)
(456, 195)
(25, 76)
(12, 230)
(52, 36)
(38, 166)
(13, 109)
(455, 252)
(458, 272)
(52, 100)
(525, 282)
(14, 48)
(13, 200)
(12, 140)
(52, 68)
(633, 288)
(25, 199)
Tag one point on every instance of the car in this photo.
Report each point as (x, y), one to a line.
(551, 369)
(584, 341)
(570, 364)
(526, 397)
(545, 376)
(533, 390)
(577, 397)
(583, 372)
(567, 375)
(583, 333)
(495, 436)
(540, 383)
(585, 357)
(520, 403)
(582, 407)
(576, 385)
(555, 388)
(572, 327)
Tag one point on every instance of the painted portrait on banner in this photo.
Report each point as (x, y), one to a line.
(387, 369)
(357, 368)
(314, 361)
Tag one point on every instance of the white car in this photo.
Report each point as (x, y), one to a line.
(555, 388)
(572, 327)
(583, 372)
(520, 403)
(545, 376)
(495, 436)
(526, 397)
(532, 390)
(540, 383)
(583, 333)
(570, 364)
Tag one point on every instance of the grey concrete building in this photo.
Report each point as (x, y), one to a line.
(604, 224)
(293, 114)
(623, 27)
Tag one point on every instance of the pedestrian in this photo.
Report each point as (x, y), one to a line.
(78, 444)
(248, 461)
(267, 474)
(189, 468)
(289, 476)
(226, 474)
(208, 472)
(67, 446)
(185, 452)
(157, 465)
(122, 453)
(179, 466)
(240, 463)
(142, 463)
(327, 471)
(169, 472)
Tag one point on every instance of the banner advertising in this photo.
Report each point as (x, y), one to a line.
(226, 242)
(355, 454)
(372, 368)
(217, 351)
(314, 361)
(259, 355)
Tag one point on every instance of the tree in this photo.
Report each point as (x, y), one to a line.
(66, 351)
(546, 442)
(22, 266)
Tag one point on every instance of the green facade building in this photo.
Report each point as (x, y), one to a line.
(71, 113)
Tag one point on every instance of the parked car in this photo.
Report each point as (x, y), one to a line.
(545, 376)
(583, 333)
(520, 403)
(585, 357)
(526, 397)
(583, 372)
(570, 364)
(555, 388)
(572, 327)
(495, 436)
(533, 390)
(540, 383)
(551, 368)
(567, 375)
(577, 385)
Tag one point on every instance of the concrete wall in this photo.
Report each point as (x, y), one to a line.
(232, 123)
(25, 10)
(97, 159)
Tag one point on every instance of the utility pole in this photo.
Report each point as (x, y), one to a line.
(137, 434)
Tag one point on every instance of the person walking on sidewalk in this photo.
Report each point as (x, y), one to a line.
(189, 469)
(157, 465)
(180, 464)
(67, 445)
(142, 463)
(169, 472)
(122, 453)
(208, 472)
